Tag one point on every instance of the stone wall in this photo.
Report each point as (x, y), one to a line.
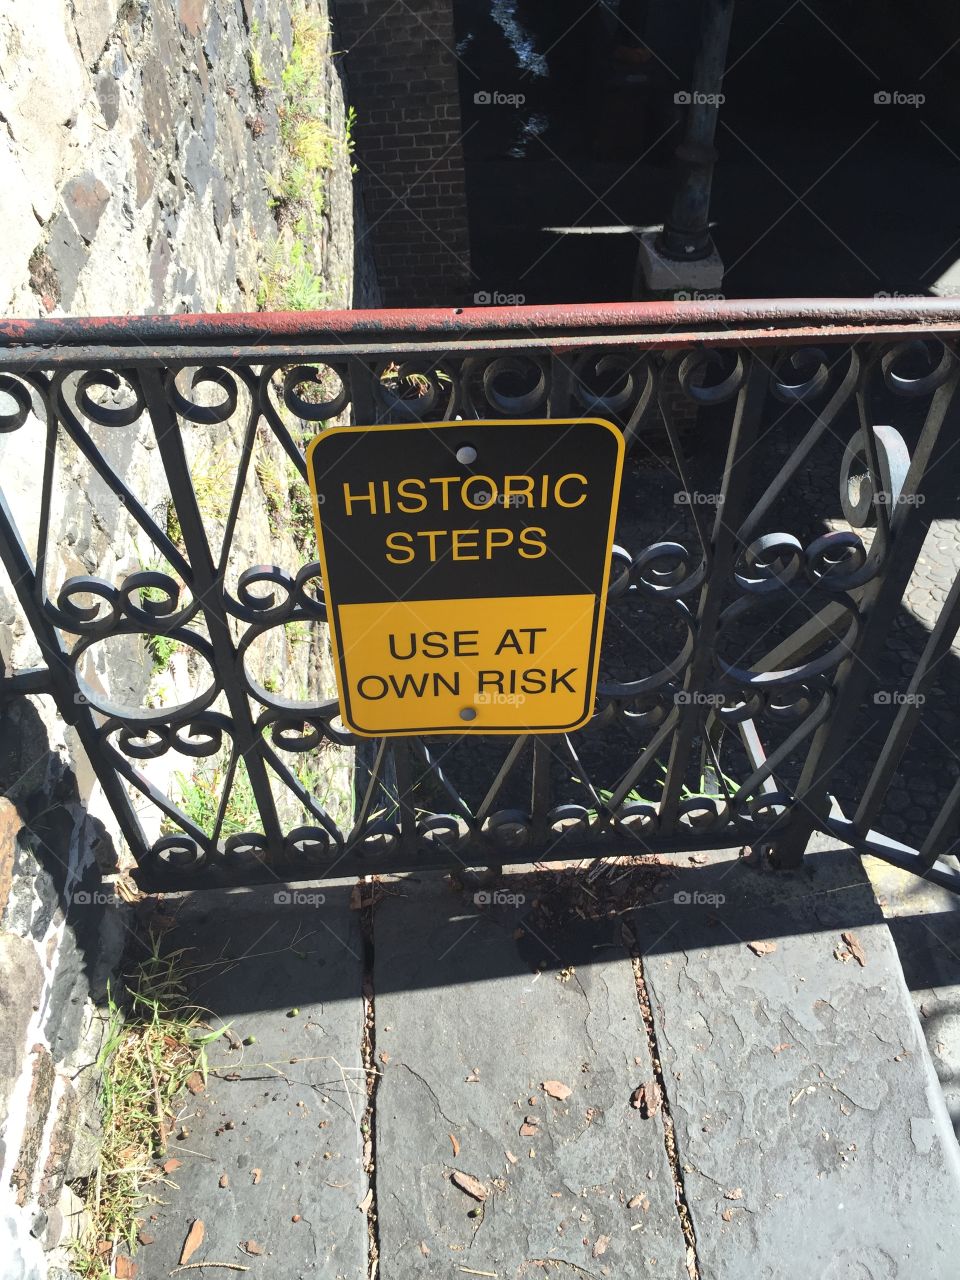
(401, 66)
(140, 155)
(61, 937)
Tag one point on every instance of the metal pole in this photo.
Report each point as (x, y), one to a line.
(686, 234)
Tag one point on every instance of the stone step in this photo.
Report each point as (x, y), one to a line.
(469, 1031)
(287, 1133)
(812, 1134)
(800, 1131)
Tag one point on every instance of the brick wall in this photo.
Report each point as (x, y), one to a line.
(401, 70)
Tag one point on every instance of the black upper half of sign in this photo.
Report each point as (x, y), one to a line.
(576, 538)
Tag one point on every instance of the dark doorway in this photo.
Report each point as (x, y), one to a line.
(839, 145)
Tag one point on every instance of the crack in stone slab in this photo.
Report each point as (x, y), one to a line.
(429, 1088)
(669, 1129)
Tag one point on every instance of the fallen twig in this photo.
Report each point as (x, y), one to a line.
(161, 1115)
(194, 1266)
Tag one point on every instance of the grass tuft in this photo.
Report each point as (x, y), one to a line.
(212, 473)
(271, 479)
(156, 1039)
(201, 792)
(259, 80)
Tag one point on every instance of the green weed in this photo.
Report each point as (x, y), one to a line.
(161, 649)
(201, 792)
(155, 1041)
(290, 282)
(259, 81)
(213, 474)
(274, 493)
(350, 140)
(310, 146)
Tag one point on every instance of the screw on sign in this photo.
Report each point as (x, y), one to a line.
(465, 566)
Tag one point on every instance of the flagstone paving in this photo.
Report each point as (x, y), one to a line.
(684, 1071)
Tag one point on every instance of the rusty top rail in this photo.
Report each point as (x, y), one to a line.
(723, 323)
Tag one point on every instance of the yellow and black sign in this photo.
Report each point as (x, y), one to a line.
(465, 568)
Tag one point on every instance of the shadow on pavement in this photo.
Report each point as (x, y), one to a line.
(281, 946)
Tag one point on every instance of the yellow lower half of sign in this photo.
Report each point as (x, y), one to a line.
(482, 666)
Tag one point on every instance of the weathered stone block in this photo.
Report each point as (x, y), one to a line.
(10, 824)
(799, 1085)
(157, 109)
(108, 95)
(302, 1165)
(94, 20)
(85, 198)
(59, 1148)
(43, 280)
(68, 253)
(72, 979)
(196, 165)
(21, 1253)
(42, 858)
(143, 171)
(558, 1181)
(192, 14)
(160, 258)
(38, 1108)
(20, 229)
(21, 983)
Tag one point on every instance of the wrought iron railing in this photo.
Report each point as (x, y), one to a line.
(763, 557)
